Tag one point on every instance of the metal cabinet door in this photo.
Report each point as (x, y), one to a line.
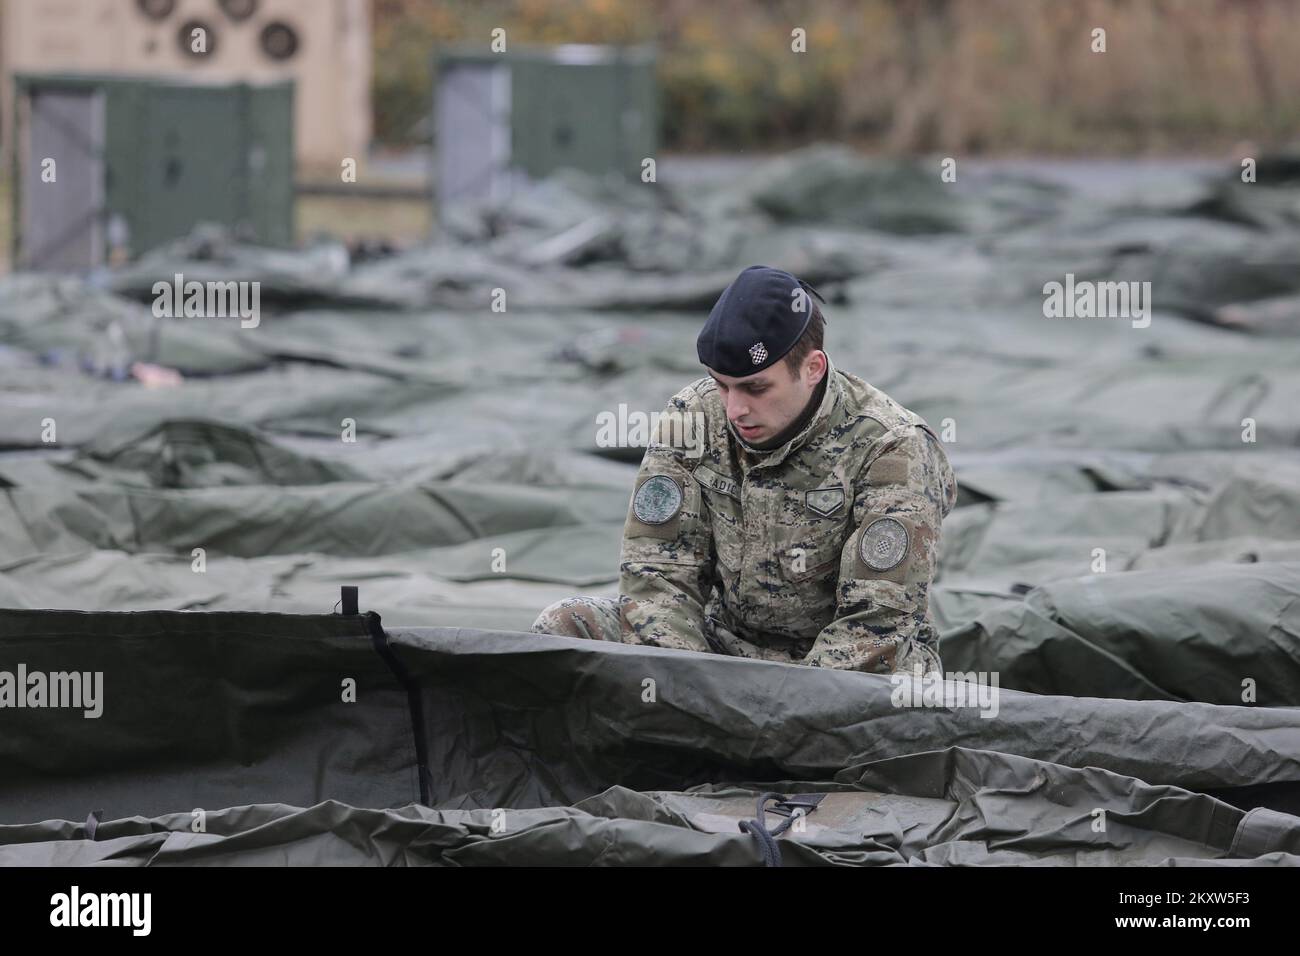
(62, 221)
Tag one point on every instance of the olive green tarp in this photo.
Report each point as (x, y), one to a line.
(1202, 633)
(1127, 522)
(466, 747)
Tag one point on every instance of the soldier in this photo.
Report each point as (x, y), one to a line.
(785, 510)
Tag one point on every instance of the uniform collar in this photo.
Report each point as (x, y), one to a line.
(755, 457)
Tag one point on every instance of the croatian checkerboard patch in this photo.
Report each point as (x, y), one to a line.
(884, 544)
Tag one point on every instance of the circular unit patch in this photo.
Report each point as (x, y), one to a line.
(884, 544)
(658, 500)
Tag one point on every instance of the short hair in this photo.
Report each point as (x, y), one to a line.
(810, 341)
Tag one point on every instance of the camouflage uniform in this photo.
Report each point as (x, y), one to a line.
(820, 551)
(593, 618)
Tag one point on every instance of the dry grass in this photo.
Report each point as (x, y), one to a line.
(906, 76)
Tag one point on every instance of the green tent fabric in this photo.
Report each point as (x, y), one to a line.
(468, 747)
(1210, 632)
(338, 518)
(1126, 535)
(975, 815)
(552, 697)
(181, 453)
(829, 183)
(201, 710)
(1267, 203)
(71, 324)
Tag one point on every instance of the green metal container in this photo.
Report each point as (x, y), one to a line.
(139, 162)
(531, 111)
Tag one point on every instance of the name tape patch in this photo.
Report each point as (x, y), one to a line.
(719, 483)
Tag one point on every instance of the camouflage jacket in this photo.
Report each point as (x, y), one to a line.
(820, 551)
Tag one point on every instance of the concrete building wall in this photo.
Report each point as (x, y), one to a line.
(331, 65)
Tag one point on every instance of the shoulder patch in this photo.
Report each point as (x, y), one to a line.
(888, 469)
(884, 544)
(658, 500)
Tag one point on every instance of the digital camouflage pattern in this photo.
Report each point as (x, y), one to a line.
(593, 618)
(820, 551)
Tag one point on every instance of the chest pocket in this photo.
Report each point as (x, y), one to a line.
(811, 552)
(722, 501)
(809, 558)
(812, 530)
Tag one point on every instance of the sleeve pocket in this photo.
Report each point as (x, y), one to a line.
(880, 593)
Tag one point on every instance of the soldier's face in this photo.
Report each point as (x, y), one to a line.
(759, 406)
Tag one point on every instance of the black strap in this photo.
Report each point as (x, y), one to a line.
(768, 848)
(414, 702)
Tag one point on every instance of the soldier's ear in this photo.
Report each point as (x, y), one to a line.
(816, 366)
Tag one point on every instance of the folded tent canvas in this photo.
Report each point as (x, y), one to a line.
(1124, 555)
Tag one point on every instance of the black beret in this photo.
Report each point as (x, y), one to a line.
(755, 322)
